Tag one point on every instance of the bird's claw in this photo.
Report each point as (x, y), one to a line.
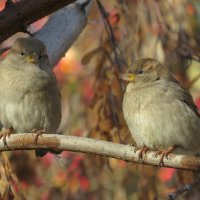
(38, 133)
(142, 151)
(164, 154)
(5, 133)
(136, 149)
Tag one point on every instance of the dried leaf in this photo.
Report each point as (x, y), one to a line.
(105, 125)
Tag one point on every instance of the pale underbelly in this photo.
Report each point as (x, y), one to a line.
(158, 128)
(24, 117)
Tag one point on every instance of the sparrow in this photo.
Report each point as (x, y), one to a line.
(29, 94)
(159, 112)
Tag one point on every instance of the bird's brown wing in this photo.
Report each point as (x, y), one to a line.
(186, 98)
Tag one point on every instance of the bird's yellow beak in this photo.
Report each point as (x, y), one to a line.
(127, 77)
(33, 58)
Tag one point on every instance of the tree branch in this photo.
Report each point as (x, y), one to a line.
(16, 17)
(185, 188)
(99, 147)
(61, 30)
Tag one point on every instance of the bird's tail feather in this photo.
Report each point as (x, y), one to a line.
(43, 152)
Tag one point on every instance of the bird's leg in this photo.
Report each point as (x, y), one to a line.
(5, 133)
(164, 154)
(38, 133)
(142, 150)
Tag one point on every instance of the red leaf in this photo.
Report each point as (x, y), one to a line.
(166, 174)
(84, 183)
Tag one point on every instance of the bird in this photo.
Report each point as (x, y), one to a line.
(159, 112)
(30, 100)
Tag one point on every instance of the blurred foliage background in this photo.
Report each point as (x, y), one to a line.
(117, 33)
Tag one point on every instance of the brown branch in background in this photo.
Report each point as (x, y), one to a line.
(17, 16)
(185, 188)
(127, 153)
(160, 18)
(117, 58)
(118, 61)
(9, 178)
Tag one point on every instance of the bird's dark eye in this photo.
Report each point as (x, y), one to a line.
(140, 71)
(22, 53)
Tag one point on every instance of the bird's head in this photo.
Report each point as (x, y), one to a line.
(30, 50)
(146, 70)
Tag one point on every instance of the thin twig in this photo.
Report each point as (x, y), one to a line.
(187, 187)
(160, 18)
(119, 61)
